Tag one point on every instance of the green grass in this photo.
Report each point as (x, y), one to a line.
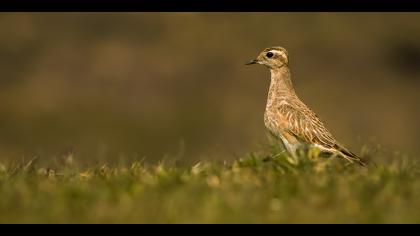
(257, 188)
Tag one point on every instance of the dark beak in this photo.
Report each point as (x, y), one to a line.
(252, 62)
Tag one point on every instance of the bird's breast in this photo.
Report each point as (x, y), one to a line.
(271, 122)
(274, 120)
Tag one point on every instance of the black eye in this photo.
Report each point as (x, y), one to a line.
(269, 54)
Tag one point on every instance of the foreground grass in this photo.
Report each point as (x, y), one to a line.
(258, 188)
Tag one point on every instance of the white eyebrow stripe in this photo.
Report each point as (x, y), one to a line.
(279, 52)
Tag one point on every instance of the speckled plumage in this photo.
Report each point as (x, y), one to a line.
(287, 117)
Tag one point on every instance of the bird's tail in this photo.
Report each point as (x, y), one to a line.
(349, 156)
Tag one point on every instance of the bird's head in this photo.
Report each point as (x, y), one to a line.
(272, 57)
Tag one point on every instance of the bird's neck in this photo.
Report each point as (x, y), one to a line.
(281, 84)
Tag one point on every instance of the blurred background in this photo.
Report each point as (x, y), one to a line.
(149, 86)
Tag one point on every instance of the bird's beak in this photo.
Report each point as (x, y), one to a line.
(255, 61)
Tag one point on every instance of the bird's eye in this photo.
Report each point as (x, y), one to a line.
(269, 54)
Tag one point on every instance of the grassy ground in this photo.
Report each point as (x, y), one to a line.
(258, 188)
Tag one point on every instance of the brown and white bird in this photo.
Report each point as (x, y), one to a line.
(288, 118)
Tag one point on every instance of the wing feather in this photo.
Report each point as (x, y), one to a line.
(304, 124)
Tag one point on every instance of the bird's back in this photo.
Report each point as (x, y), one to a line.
(288, 115)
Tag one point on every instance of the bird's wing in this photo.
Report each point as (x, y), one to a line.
(303, 123)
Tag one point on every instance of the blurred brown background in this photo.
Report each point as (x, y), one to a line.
(138, 85)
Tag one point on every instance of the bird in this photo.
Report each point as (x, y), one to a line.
(287, 118)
